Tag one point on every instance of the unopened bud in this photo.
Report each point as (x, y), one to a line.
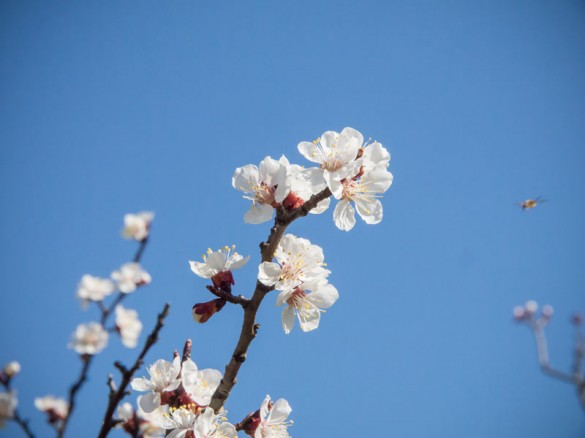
(531, 307)
(519, 313)
(203, 311)
(11, 369)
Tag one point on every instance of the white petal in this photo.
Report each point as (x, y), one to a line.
(371, 212)
(309, 318)
(321, 206)
(282, 297)
(216, 261)
(258, 213)
(344, 216)
(244, 177)
(201, 269)
(324, 297)
(227, 430)
(269, 273)
(149, 402)
(375, 155)
(310, 151)
(288, 319)
(238, 261)
(141, 384)
(280, 411)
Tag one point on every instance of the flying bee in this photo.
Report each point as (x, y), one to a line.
(531, 203)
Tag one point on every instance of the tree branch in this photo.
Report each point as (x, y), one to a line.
(116, 396)
(86, 359)
(249, 326)
(22, 422)
(220, 293)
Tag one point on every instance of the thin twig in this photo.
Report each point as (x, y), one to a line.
(127, 374)
(249, 326)
(86, 359)
(220, 293)
(542, 351)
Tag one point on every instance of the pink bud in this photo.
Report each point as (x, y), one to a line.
(519, 313)
(203, 311)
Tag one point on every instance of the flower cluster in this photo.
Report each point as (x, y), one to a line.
(354, 171)
(178, 394)
(300, 277)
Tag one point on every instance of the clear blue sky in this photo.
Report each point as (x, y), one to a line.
(119, 106)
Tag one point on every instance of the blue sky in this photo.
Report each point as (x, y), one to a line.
(116, 106)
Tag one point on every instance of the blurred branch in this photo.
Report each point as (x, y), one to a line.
(117, 395)
(249, 326)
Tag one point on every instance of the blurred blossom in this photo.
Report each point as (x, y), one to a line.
(89, 338)
(8, 404)
(137, 226)
(92, 288)
(56, 408)
(128, 325)
(130, 276)
(11, 369)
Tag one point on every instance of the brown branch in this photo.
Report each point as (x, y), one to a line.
(249, 326)
(86, 359)
(109, 422)
(220, 293)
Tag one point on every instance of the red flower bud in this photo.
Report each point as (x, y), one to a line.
(203, 311)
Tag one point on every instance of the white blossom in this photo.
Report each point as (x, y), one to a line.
(128, 325)
(363, 187)
(137, 226)
(89, 338)
(56, 408)
(130, 276)
(199, 384)
(216, 262)
(180, 421)
(306, 306)
(11, 369)
(304, 183)
(146, 426)
(8, 404)
(92, 288)
(266, 186)
(333, 151)
(207, 425)
(164, 377)
(273, 419)
(298, 262)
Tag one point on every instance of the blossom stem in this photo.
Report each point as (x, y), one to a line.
(116, 396)
(249, 325)
(220, 293)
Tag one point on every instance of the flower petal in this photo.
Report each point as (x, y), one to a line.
(201, 269)
(371, 212)
(324, 297)
(288, 319)
(149, 402)
(258, 213)
(280, 411)
(344, 216)
(269, 273)
(245, 178)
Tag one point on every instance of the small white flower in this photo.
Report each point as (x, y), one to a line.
(8, 404)
(56, 408)
(266, 187)
(333, 151)
(180, 421)
(364, 190)
(128, 325)
(374, 154)
(199, 384)
(130, 276)
(146, 427)
(220, 261)
(89, 338)
(137, 226)
(273, 419)
(306, 306)
(298, 262)
(207, 425)
(164, 377)
(92, 288)
(11, 369)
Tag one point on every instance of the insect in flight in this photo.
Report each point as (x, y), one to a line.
(531, 203)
